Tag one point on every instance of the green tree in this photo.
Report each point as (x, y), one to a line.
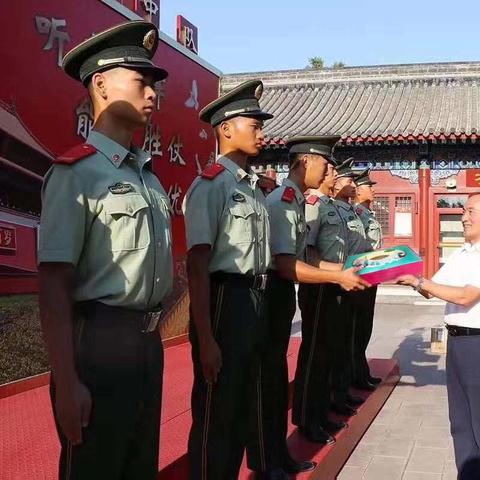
(338, 65)
(316, 62)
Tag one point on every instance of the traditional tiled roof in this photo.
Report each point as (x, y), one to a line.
(391, 104)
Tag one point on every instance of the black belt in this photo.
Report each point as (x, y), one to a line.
(147, 321)
(257, 282)
(455, 331)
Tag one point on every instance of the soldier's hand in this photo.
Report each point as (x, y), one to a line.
(351, 281)
(211, 359)
(73, 404)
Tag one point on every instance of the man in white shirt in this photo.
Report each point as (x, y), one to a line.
(458, 283)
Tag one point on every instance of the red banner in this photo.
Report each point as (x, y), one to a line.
(187, 34)
(8, 238)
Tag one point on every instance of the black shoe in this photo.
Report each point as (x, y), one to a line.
(374, 380)
(354, 400)
(343, 409)
(292, 467)
(318, 436)
(333, 427)
(273, 474)
(364, 386)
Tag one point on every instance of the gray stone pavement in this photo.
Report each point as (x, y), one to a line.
(409, 439)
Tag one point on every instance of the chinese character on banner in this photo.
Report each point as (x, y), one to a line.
(57, 37)
(174, 193)
(8, 239)
(187, 34)
(174, 149)
(152, 142)
(150, 7)
(84, 113)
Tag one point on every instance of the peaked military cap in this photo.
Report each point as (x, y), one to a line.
(345, 169)
(318, 145)
(131, 45)
(364, 179)
(242, 101)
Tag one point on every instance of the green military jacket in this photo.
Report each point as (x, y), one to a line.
(286, 210)
(225, 208)
(356, 237)
(327, 229)
(109, 216)
(373, 229)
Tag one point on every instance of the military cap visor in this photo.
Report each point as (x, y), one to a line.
(317, 145)
(242, 101)
(364, 179)
(130, 45)
(345, 169)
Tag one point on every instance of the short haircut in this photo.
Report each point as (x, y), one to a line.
(294, 159)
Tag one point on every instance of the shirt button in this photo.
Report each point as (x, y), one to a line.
(157, 280)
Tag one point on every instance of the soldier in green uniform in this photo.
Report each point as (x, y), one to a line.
(309, 158)
(355, 242)
(323, 307)
(227, 231)
(105, 266)
(365, 310)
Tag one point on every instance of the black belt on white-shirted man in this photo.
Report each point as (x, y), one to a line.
(456, 331)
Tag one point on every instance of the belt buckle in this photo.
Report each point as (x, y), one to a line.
(452, 330)
(260, 282)
(150, 321)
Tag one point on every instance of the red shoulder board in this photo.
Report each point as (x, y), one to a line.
(288, 195)
(212, 171)
(75, 154)
(312, 199)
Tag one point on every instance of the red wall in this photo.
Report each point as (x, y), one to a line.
(46, 99)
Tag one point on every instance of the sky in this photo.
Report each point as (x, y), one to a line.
(249, 36)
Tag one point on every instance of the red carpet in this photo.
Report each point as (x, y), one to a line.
(29, 446)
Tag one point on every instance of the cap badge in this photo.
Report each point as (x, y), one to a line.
(149, 40)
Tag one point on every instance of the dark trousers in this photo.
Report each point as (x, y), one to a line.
(363, 313)
(341, 340)
(320, 306)
(226, 413)
(272, 438)
(463, 387)
(122, 368)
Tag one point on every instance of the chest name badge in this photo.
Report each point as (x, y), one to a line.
(238, 197)
(120, 188)
(331, 214)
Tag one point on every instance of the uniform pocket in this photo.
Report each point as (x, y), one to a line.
(126, 216)
(242, 221)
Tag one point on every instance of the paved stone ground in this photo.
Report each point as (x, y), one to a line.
(409, 439)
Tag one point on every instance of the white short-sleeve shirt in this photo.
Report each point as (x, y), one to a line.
(461, 269)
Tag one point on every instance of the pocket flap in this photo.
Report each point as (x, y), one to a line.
(126, 204)
(243, 210)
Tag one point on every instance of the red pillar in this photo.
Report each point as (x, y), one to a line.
(424, 210)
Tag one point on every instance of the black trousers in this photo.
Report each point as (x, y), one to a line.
(321, 308)
(122, 368)
(226, 414)
(342, 344)
(463, 387)
(363, 310)
(269, 449)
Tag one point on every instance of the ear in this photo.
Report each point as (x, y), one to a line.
(305, 160)
(99, 85)
(225, 129)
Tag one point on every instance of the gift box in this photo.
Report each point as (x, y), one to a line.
(387, 264)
